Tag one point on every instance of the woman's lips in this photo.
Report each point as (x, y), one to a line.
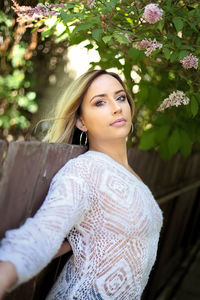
(119, 122)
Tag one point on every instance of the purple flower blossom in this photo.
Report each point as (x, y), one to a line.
(152, 13)
(190, 61)
(30, 14)
(148, 44)
(175, 99)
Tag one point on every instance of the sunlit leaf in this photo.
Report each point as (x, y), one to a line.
(96, 33)
(178, 23)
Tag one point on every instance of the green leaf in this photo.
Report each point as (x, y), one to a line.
(82, 27)
(178, 42)
(174, 142)
(107, 38)
(96, 33)
(197, 96)
(46, 33)
(166, 52)
(193, 25)
(187, 47)
(153, 96)
(160, 25)
(76, 39)
(174, 56)
(183, 53)
(194, 106)
(67, 17)
(89, 46)
(142, 96)
(122, 39)
(111, 4)
(5, 19)
(178, 23)
(162, 133)
(164, 151)
(71, 4)
(135, 54)
(147, 140)
(186, 143)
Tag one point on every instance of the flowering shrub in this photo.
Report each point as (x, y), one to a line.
(156, 46)
(30, 14)
(149, 45)
(152, 13)
(17, 98)
(190, 61)
(175, 99)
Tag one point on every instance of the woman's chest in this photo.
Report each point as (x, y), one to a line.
(123, 207)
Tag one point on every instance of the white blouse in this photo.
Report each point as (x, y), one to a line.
(112, 222)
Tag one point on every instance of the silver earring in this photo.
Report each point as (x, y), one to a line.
(81, 135)
(132, 128)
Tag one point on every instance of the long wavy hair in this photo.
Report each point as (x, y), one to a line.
(68, 109)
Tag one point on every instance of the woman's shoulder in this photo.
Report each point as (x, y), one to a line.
(82, 161)
(84, 166)
(79, 166)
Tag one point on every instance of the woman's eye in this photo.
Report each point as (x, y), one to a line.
(99, 103)
(121, 98)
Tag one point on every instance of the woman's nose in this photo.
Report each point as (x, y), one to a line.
(116, 108)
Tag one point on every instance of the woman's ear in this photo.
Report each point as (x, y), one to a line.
(80, 125)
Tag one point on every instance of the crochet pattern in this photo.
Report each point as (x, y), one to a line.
(112, 222)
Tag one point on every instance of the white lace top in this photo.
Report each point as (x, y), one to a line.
(112, 222)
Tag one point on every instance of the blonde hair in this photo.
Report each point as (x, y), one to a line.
(68, 108)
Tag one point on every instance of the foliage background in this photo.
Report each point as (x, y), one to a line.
(112, 28)
(28, 69)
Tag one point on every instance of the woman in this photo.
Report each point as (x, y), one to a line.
(96, 200)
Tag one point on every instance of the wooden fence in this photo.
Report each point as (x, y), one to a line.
(25, 175)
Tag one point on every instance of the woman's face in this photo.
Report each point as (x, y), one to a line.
(105, 110)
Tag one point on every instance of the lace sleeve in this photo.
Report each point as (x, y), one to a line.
(32, 246)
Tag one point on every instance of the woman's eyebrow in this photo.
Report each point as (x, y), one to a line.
(100, 95)
(119, 92)
(103, 95)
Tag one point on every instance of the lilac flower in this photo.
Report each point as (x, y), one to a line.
(30, 14)
(175, 99)
(190, 61)
(152, 13)
(148, 44)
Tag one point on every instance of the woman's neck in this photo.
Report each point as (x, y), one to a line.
(117, 150)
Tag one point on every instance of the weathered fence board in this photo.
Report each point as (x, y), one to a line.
(174, 244)
(27, 173)
(164, 176)
(30, 166)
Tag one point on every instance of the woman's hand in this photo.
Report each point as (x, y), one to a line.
(8, 273)
(65, 248)
(8, 276)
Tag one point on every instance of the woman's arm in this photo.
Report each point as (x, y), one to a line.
(8, 277)
(65, 248)
(31, 247)
(8, 273)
